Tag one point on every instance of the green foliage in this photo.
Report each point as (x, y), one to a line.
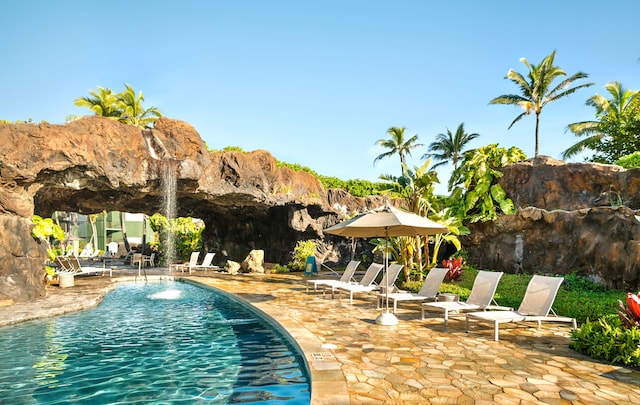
(125, 107)
(355, 187)
(303, 249)
(477, 174)
(606, 339)
(449, 146)
(233, 149)
(397, 144)
(52, 234)
(45, 229)
(536, 89)
(614, 132)
(278, 268)
(630, 161)
(187, 234)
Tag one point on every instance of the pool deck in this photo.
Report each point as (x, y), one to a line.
(355, 361)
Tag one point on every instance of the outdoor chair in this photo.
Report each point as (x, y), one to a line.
(149, 260)
(480, 298)
(206, 263)
(346, 277)
(193, 261)
(367, 279)
(428, 291)
(535, 306)
(367, 286)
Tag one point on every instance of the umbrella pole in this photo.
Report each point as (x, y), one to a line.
(386, 318)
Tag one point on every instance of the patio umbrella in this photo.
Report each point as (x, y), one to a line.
(384, 222)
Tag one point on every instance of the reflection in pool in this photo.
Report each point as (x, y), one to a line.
(153, 343)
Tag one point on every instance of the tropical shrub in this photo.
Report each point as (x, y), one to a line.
(478, 196)
(606, 339)
(630, 161)
(186, 232)
(52, 235)
(303, 249)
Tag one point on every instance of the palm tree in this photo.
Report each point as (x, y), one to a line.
(397, 144)
(537, 91)
(614, 109)
(416, 188)
(102, 102)
(125, 107)
(132, 111)
(449, 147)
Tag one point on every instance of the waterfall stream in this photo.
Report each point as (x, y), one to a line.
(168, 170)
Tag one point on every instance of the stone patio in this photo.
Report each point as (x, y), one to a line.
(355, 361)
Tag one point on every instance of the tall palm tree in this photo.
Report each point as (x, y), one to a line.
(536, 88)
(397, 145)
(133, 113)
(449, 147)
(614, 109)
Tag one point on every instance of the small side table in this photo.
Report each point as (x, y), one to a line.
(66, 280)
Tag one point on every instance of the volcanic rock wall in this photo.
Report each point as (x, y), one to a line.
(96, 164)
(572, 217)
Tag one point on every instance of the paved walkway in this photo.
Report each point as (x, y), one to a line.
(355, 361)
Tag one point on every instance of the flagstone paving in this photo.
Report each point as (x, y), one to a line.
(355, 361)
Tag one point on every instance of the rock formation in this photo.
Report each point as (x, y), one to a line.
(572, 217)
(94, 164)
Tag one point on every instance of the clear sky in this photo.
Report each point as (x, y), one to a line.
(318, 82)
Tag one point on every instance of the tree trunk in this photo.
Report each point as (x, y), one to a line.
(144, 233)
(123, 228)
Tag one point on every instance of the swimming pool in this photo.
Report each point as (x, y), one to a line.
(160, 342)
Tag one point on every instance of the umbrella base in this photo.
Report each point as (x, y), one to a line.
(387, 319)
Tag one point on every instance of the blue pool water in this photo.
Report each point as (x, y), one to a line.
(155, 343)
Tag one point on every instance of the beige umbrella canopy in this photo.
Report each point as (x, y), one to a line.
(384, 222)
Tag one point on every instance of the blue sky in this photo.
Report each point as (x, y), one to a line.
(318, 82)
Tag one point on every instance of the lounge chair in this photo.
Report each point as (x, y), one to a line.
(71, 265)
(480, 298)
(535, 306)
(346, 277)
(428, 291)
(193, 261)
(366, 286)
(206, 263)
(367, 279)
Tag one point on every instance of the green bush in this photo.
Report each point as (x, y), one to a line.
(303, 249)
(606, 339)
(629, 161)
(187, 235)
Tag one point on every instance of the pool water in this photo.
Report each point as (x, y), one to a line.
(156, 343)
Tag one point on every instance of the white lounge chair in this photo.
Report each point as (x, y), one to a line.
(71, 265)
(346, 277)
(367, 279)
(206, 263)
(193, 261)
(535, 306)
(429, 289)
(480, 298)
(366, 286)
